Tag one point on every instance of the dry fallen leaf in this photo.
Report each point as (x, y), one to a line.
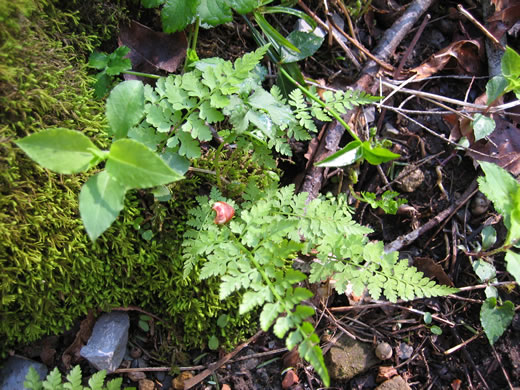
(433, 270)
(385, 373)
(71, 354)
(463, 56)
(503, 20)
(290, 378)
(151, 51)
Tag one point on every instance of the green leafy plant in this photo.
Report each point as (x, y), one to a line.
(504, 191)
(111, 65)
(427, 318)
(54, 381)
(253, 253)
(507, 81)
(386, 202)
(157, 130)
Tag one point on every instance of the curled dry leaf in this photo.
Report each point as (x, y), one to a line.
(385, 373)
(224, 212)
(503, 20)
(150, 50)
(433, 270)
(290, 379)
(463, 56)
(71, 354)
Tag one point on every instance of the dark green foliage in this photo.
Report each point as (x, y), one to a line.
(50, 273)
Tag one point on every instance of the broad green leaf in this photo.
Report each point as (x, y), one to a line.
(103, 82)
(504, 191)
(243, 6)
(482, 126)
(495, 319)
(346, 156)
(222, 320)
(263, 100)
(436, 330)
(489, 237)
(100, 201)
(510, 64)
(499, 186)
(136, 166)
(125, 107)
(162, 193)
(98, 60)
(151, 3)
(175, 161)
(307, 43)
(214, 12)
(60, 150)
(177, 14)
(513, 264)
(116, 61)
(484, 270)
(377, 155)
(495, 88)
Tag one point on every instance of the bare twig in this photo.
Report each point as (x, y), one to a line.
(480, 26)
(211, 369)
(407, 239)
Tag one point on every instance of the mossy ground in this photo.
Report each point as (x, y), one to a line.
(50, 273)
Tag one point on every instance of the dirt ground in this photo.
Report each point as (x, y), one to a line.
(424, 135)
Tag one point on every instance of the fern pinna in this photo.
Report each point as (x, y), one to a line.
(253, 254)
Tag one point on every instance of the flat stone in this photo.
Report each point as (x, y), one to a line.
(396, 383)
(107, 344)
(14, 371)
(349, 357)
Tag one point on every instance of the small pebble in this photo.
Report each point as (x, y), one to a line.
(479, 205)
(411, 179)
(383, 351)
(405, 351)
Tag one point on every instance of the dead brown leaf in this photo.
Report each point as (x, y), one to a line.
(152, 51)
(461, 56)
(502, 147)
(385, 373)
(503, 20)
(433, 270)
(71, 354)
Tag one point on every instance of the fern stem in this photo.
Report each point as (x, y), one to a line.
(310, 95)
(141, 74)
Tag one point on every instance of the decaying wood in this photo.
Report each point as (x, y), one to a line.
(389, 42)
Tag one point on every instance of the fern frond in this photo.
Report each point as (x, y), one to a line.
(53, 380)
(32, 380)
(74, 379)
(97, 380)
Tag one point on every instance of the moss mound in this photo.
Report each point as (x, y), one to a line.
(50, 273)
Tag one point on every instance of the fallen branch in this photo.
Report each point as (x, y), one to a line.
(392, 37)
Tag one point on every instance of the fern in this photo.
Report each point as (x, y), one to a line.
(253, 254)
(32, 380)
(74, 381)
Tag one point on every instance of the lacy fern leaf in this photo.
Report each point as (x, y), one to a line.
(253, 254)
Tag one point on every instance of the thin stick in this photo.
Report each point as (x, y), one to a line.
(463, 344)
(407, 239)
(412, 45)
(480, 26)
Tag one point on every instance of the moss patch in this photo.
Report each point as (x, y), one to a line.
(50, 273)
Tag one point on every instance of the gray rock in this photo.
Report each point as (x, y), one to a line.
(349, 358)
(14, 371)
(107, 345)
(396, 383)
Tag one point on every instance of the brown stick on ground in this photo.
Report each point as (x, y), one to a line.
(215, 366)
(407, 239)
(391, 39)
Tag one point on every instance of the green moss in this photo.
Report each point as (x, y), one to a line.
(50, 273)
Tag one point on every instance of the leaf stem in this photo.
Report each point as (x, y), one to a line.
(141, 74)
